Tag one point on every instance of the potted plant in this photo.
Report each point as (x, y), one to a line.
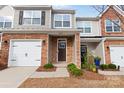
(97, 61)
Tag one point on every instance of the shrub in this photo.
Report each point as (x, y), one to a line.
(48, 66)
(71, 65)
(90, 67)
(84, 66)
(104, 66)
(74, 70)
(98, 58)
(77, 72)
(111, 66)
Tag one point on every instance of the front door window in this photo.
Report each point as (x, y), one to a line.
(62, 50)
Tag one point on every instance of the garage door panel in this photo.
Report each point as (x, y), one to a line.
(26, 53)
(117, 55)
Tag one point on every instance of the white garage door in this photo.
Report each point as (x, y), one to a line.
(117, 55)
(25, 53)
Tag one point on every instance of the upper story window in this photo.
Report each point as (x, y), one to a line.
(32, 17)
(62, 20)
(5, 22)
(112, 25)
(85, 25)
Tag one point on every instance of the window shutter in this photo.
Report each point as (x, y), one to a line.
(43, 18)
(20, 17)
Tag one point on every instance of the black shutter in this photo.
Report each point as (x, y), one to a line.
(43, 18)
(20, 17)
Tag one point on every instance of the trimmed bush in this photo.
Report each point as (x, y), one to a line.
(48, 66)
(111, 66)
(74, 70)
(77, 72)
(104, 66)
(71, 65)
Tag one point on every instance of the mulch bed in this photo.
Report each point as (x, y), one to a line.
(89, 75)
(110, 70)
(42, 69)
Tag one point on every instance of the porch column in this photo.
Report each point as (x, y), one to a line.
(77, 50)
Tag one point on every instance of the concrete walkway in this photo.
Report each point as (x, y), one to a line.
(60, 72)
(14, 76)
(121, 72)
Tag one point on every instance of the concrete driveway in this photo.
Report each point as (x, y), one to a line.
(12, 77)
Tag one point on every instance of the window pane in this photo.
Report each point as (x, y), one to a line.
(58, 23)
(1, 19)
(109, 28)
(27, 14)
(87, 30)
(36, 21)
(1, 24)
(58, 17)
(116, 29)
(66, 17)
(116, 22)
(66, 23)
(8, 19)
(7, 25)
(36, 14)
(27, 21)
(108, 23)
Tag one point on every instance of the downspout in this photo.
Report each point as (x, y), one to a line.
(103, 40)
(1, 40)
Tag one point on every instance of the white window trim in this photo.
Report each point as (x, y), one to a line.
(83, 27)
(112, 27)
(5, 21)
(32, 18)
(62, 21)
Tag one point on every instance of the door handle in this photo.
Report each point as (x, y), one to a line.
(121, 57)
(26, 54)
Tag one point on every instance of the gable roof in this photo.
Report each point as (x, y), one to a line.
(119, 10)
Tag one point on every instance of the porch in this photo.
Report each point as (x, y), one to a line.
(64, 49)
(91, 47)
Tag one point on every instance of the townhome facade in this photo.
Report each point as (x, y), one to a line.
(39, 35)
(36, 35)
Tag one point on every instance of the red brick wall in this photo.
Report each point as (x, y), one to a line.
(8, 37)
(107, 50)
(53, 49)
(78, 56)
(110, 14)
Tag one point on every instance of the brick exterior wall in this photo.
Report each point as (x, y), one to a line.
(53, 49)
(8, 37)
(111, 14)
(73, 49)
(107, 50)
(78, 56)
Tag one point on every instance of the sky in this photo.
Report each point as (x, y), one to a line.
(81, 10)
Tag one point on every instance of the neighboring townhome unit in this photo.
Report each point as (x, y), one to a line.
(40, 35)
(91, 39)
(112, 28)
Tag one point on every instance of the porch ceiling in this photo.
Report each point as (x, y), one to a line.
(91, 39)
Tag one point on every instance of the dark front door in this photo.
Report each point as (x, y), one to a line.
(62, 50)
(83, 52)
